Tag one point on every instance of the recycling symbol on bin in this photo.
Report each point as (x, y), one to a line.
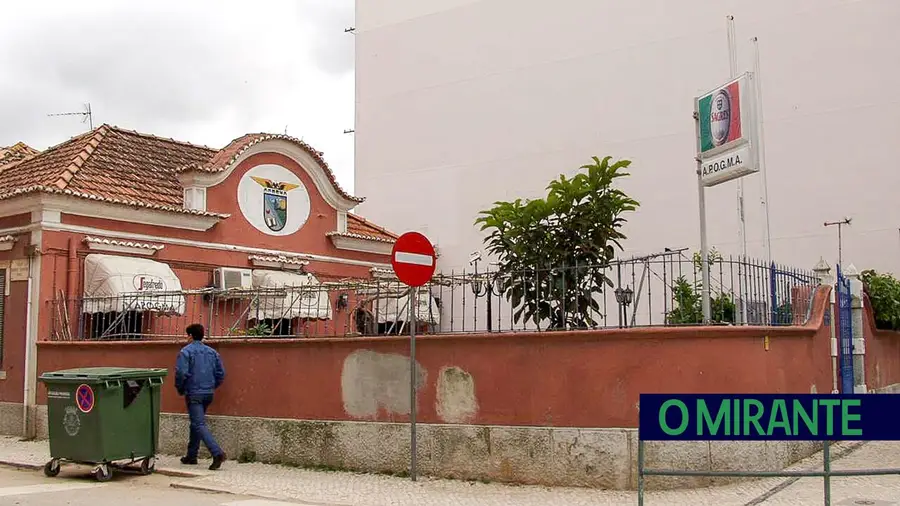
(84, 398)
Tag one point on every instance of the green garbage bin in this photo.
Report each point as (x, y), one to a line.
(103, 417)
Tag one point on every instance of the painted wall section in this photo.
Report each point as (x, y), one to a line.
(565, 379)
(456, 401)
(15, 321)
(376, 385)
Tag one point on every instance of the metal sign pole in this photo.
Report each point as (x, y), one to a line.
(826, 466)
(412, 383)
(704, 245)
(640, 475)
(704, 251)
(413, 260)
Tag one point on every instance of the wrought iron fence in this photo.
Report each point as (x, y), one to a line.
(656, 290)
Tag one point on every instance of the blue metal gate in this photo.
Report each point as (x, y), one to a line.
(845, 332)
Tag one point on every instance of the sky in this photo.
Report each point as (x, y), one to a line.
(201, 71)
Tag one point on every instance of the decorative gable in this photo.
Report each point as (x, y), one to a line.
(117, 174)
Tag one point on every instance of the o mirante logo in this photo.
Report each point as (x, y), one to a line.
(743, 417)
(693, 417)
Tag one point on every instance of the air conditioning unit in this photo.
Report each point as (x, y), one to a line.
(230, 278)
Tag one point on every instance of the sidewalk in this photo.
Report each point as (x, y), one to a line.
(352, 489)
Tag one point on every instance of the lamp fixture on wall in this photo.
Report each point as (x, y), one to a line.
(343, 301)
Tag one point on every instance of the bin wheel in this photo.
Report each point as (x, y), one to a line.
(148, 465)
(51, 469)
(103, 473)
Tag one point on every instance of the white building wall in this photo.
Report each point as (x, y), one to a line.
(464, 102)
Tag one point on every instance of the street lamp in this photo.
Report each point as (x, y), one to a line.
(484, 285)
(624, 297)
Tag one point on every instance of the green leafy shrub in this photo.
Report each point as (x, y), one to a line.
(688, 308)
(552, 251)
(260, 329)
(884, 294)
(688, 299)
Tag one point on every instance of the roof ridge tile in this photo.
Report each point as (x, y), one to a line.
(156, 137)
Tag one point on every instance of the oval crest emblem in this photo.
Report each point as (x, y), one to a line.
(720, 117)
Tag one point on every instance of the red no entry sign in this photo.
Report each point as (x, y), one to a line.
(413, 259)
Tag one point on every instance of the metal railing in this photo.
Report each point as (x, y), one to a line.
(826, 473)
(656, 290)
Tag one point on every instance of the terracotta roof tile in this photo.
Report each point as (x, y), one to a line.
(129, 244)
(360, 228)
(109, 164)
(15, 154)
(115, 165)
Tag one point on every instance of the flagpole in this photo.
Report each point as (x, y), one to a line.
(762, 149)
(733, 69)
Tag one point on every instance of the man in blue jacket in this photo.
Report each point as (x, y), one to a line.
(198, 373)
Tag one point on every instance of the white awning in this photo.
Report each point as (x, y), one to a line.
(117, 283)
(294, 295)
(392, 308)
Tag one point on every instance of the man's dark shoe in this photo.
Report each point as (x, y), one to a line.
(217, 461)
(189, 461)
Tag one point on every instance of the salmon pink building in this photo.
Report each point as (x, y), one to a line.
(116, 234)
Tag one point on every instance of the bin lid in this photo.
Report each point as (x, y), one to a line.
(95, 374)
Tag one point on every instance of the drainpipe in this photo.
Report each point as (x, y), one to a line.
(834, 342)
(72, 286)
(31, 331)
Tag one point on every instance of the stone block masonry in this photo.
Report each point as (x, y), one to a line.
(550, 456)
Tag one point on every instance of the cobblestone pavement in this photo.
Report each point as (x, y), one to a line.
(351, 489)
(32, 488)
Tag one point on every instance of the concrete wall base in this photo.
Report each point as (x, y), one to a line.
(890, 389)
(551, 456)
(11, 423)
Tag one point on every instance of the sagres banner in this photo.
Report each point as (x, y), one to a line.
(720, 117)
(725, 128)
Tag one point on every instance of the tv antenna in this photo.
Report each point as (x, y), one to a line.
(86, 115)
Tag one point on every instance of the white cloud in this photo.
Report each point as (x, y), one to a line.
(203, 71)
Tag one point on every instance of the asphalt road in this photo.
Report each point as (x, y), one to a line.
(75, 487)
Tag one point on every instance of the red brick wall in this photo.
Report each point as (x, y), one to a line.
(582, 379)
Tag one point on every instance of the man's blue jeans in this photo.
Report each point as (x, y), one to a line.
(196, 406)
